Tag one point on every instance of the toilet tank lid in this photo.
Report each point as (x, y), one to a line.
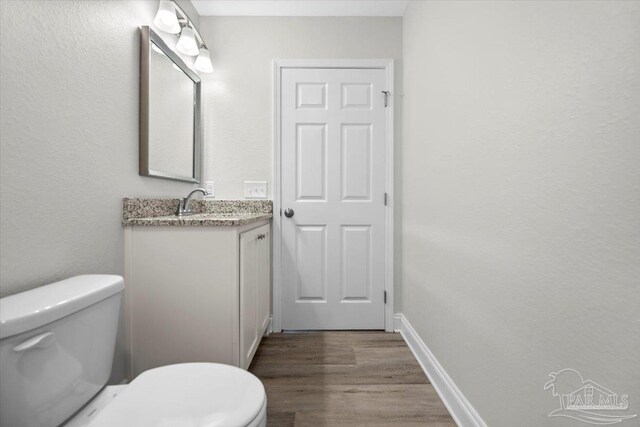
(37, 307)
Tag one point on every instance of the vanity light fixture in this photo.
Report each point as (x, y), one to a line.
(166, 19)
(203, 61)
(190, 41)
(187, 43)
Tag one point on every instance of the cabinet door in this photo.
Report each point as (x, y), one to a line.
(255, 290)
(181, 296)
(264, 279)
(249, 273)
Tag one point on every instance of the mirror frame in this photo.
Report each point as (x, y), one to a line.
(147, 37)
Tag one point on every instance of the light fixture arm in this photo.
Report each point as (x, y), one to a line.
(184, 20)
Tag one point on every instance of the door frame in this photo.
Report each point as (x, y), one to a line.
(278, 66)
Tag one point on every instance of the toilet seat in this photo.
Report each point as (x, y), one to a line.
(189, 395)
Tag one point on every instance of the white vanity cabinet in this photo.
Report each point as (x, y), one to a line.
(196, 294)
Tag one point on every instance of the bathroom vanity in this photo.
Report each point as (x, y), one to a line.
(197, 288)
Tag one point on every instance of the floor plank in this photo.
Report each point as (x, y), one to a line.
(345, 378)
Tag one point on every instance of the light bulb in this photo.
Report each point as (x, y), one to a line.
(203, 61)
(166, 19)
(187, 43)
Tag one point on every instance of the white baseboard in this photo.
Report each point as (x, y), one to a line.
(269, 329)
(459, 407)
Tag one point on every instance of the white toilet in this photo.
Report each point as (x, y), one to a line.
(56, 350)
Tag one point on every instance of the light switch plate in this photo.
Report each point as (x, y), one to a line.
(210, 186)
(255, 189)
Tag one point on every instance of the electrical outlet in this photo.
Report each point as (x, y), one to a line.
(210, 186)
(255, 189)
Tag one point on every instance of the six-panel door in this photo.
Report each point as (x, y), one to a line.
(333, 180)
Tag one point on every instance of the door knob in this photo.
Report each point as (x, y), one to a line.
(288, 212)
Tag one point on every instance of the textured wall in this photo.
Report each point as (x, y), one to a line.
(69, 137)
(521, 204)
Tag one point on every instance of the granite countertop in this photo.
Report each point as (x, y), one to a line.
(209, 213)
(204, 219)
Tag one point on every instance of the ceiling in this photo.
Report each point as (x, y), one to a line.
(300, 7)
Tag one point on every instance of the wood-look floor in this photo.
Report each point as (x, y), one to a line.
(345, 379)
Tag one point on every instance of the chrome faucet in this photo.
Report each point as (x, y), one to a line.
(184, 207)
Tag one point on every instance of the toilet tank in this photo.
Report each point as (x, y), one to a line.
(56, 348)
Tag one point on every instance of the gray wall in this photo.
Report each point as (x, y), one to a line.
(521, 204)
(69, 138)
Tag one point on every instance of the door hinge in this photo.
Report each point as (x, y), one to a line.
(385, 297)
(386, 199)
(386, 96)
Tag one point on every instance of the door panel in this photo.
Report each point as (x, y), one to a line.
(311, 161)
(333, 178)
(311, 95)
(311, 262)
(356, 95)
(356, 162)
(356, 263)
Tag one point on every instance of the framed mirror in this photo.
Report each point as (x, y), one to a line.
(170, 139)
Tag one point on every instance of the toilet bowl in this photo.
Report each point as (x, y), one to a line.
(188, 394)
(56, 351)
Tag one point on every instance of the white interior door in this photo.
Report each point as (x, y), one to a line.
(333, 179)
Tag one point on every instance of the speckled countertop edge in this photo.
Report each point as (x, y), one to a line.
(161, 212)
(210, 220)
